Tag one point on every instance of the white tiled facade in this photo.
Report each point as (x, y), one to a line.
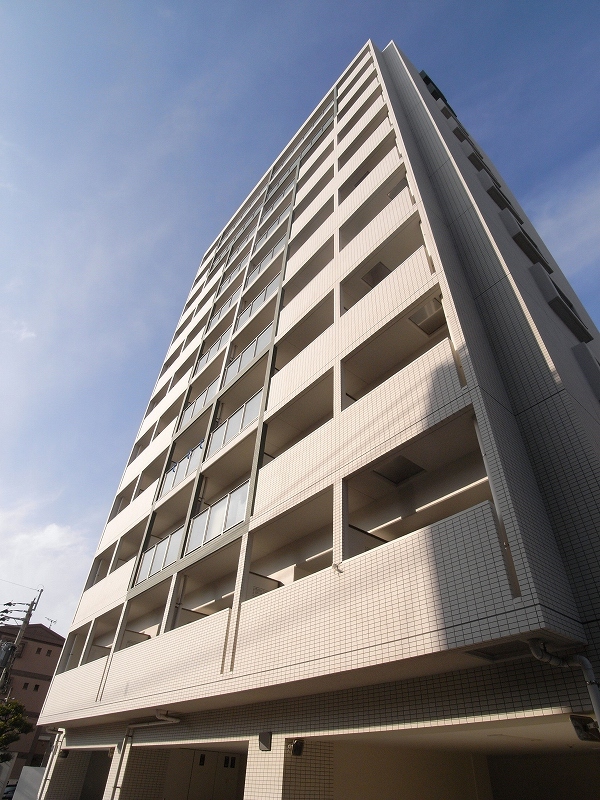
(367, 476)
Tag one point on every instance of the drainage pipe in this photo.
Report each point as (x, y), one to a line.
(161, 719)
(538, 650)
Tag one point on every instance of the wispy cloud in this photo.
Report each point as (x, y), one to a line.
(38, 553)
(19, 331)
(566, 212)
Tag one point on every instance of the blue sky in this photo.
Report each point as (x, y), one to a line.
(130, 131)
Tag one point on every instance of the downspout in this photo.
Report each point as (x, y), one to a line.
(538, 650)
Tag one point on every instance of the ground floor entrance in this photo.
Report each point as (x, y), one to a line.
(526, 759)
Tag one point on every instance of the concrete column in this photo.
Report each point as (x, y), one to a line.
(264, 771)
(340, 522)
(116, 773)
(64, 777)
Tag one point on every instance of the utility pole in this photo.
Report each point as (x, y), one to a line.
(8, 650)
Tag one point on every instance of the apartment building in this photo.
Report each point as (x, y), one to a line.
(366, 480)
(31, 673)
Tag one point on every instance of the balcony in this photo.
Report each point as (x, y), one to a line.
(220, 313)
(265, 261)
(258, 302)
(304, 414)
(296, 544)
(250, 352)
(218, 518)
(393, 348)
(161, 555)
(233, 275)
(234, 424)
(385, 194)
(273, 225)
(205, 358)
(430, 478)
(193, 409)
(178, 472)
(389, 256)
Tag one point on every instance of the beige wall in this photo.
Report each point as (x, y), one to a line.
(364, 771)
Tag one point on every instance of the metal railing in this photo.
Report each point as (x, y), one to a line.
(257, 303)
(274, 224)
(233, 275)
(218, 315)
(181, 469)
(234, 424)
(163, 554)
(193, 409)
(255, 347)
(265, 261)
(218, 518)
(212, 351)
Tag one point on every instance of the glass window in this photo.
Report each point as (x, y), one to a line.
(234, 425)
(173, 547)
(237, 506)
(251, 409)
(159, 556)
(145, 565)
(197, 531)
(216, 519)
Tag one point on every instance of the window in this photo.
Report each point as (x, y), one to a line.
(36, 687)
(26, 685)
(38, 651)
(48, 652)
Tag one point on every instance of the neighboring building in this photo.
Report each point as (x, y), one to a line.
(366, 478)
(31, 674)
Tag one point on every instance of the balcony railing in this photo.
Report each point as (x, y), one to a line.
(188, 464)
(234, 424)
(314, 134)
(218, 518)
(218, 315)
(212, 351)
(248, 353)
(274, 224)
(265, 261)
(257, 303)
(233, 275)
(160, 556)
(193, 409)
(275, 200)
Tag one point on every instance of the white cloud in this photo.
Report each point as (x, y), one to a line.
(42, 554)
(19, 331)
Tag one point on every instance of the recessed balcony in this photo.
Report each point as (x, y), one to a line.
(382, 262)
(379, 118)
(295, 544)
(300, 280)
(393, 348)
(208, 586)
(432, 477)
(303, 415)
(144, 616)
(306, 331)
(385, 194)
(103, 636)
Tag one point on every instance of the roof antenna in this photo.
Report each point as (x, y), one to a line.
(51, 621)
